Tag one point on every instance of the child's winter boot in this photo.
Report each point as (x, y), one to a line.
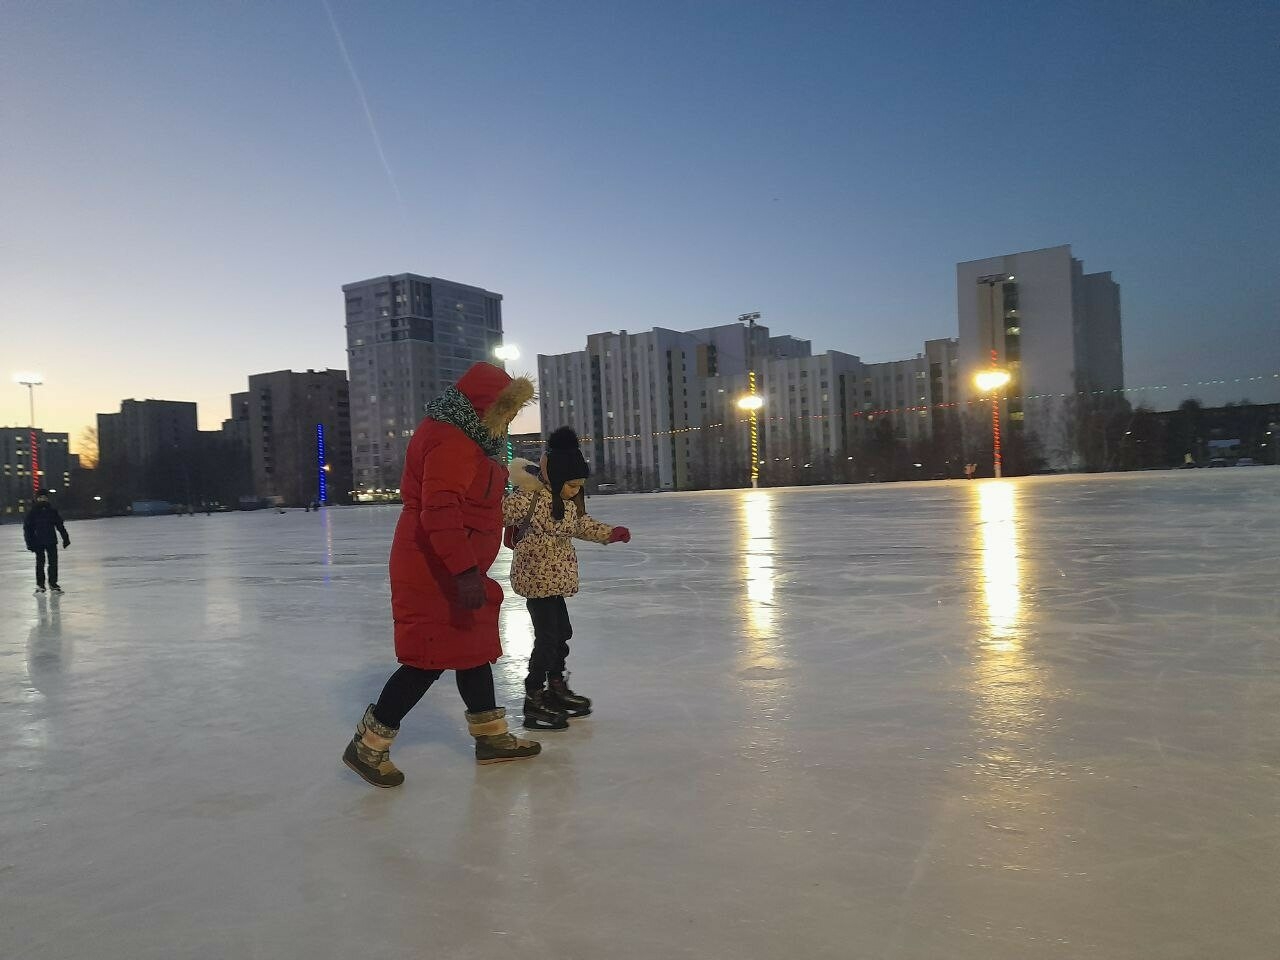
(494, 742)
(560, 697)
(542, 713)
(369, 752)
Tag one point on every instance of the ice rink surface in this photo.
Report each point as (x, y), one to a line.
(1021, 719)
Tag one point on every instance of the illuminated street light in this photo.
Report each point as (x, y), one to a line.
(751, 404)
(507, 353)
(990, 381)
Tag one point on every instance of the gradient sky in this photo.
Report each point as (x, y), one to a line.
(184, 187)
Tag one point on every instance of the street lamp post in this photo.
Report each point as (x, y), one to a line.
(507, 353)
(752, 402)
(990, 381)
(31, 381)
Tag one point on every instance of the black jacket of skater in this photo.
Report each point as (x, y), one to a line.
(41, 530)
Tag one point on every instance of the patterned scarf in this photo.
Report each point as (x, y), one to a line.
(453, 407)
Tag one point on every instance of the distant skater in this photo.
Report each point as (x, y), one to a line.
(41, 530)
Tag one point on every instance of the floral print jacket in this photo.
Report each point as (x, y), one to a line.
(545, 563)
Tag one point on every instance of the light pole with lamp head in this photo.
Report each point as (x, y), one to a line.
(752, 402)
(31, 381)
(990, 381)
(507, 353)
(996, 377)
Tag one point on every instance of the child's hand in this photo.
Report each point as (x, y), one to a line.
(620, 535)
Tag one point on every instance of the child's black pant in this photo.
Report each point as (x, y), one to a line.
(552, 632)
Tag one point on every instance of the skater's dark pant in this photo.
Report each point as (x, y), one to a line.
(52, 554)
(552, 632)
(408, 684)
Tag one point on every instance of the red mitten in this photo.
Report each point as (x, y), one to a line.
(620, 535)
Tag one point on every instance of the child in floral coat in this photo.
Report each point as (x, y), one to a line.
(547, 509)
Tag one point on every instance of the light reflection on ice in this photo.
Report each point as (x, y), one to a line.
(328, 544)
(997, 509)
(516, 631)
(758, 562)
(1009, 682)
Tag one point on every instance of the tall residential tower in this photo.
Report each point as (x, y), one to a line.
(1053, 327)
(408, 337)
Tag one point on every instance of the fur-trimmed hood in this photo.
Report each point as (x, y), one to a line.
(496, 396)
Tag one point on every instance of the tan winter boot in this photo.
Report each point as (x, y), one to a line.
(369, 752)
(494, 742)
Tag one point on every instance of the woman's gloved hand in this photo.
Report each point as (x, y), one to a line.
(470, 589)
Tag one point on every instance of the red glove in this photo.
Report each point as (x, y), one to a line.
(470, 589)
(620, 535)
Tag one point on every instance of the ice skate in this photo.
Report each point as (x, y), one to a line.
(560, 697)
(542, 713)
(39, 590)
(55, 588)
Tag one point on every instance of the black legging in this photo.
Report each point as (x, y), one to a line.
(407, 685)
(552, 632)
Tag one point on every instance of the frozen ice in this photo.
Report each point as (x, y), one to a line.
(1034, 718)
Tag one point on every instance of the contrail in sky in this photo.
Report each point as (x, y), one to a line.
(364, 102)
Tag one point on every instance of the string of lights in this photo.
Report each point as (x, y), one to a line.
(870, 415)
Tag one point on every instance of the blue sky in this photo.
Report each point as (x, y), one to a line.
(187, 186)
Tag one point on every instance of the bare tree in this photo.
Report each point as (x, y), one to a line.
(87, 447)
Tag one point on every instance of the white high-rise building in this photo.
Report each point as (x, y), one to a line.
(915, 394)
(659, 410)
(637, 399)
(805, 412)
(1053, 327)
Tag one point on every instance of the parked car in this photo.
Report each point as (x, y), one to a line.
(1246, 462)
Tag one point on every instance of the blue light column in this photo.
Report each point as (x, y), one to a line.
(323, 484)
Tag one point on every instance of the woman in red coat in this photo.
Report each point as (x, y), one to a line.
(444, 604)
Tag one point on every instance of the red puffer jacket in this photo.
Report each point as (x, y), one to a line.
(451, 522)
